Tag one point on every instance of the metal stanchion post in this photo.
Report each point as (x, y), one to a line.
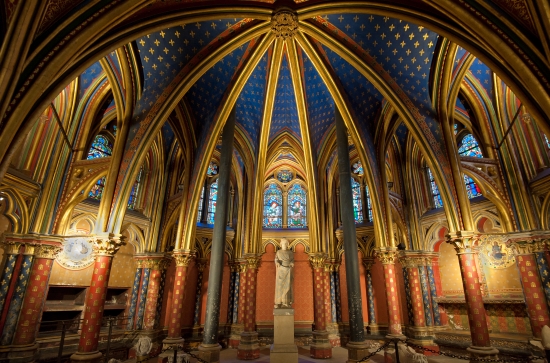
(396, 350)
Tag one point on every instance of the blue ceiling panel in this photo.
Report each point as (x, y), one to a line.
(89, 76)
(483, 74)
(250, 103)
(285, 112)
(319, 103)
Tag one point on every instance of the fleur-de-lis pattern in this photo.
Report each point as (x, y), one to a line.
(142, 298)
(425, 295)
(408, 295)
(7, 274)
(133, 299)
(433, 294)
(17, 300)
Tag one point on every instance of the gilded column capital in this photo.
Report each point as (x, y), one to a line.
(387, 256)
(47, 251)
(411, 262)
(463, 241)
(11, 247)
(317, 260)
(253, 262)
(183, 259)
(284, 24)
(152, 261)
(108, 245)
(368, 262)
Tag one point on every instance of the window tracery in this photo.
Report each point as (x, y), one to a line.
(97, 190)
(212, 201)
(436, 195)
(101, 147)
(273, 206)
(297, 207)
(357, 201)
(469, 147)
(135, 191)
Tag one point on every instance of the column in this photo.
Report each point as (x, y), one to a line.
(210, 349)
(425, 293)
(373, 326)
(205, 199)
(387, 257)
(233, 314)
(10, 276)
(143, 294)
(320, 347)
(182, 260)
(434, 280)
(330, 306)
(249, 348)
(35, 295)
(105, 248)
(357, 348)
(200, 264)
(464, 243)
(136, 288)
(535, 297)
(415, 302)
(156, 264)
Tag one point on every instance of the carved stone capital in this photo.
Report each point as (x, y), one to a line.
(201, 264)
(47, 251)
(284, 24)
(368, 262)
(387, 256)
(11, 247)
(317, 260)
(463, 241)
(108, 245)
(183, 259)
(411, 262)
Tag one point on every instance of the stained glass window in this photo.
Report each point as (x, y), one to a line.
(547, 141)
(212, 200)
(284, 176)
(455, 128)
(297, 207)
(273, 206)
(357, 168)
(97, 190)
(101, 147)
(438, 202)
(357, 201)
(369, 205)
(471, 187)
(199, 215)
(469, 147)
(212, 169)
(135, 190)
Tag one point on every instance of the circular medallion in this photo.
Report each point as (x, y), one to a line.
(496, 254)
(77, 253)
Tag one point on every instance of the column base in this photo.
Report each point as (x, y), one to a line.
(210, 352)
(22, 353)
(90, 357)
(249, 348)
(373, 329)
(426, 342)
(357, 351)
(283, 353)
(171, 341)
(235, 337)
(482, 352)
(320, 347)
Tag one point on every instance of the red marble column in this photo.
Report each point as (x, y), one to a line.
(157, 264)
(182, 260)
(249, 348)
(105, 249)
(411, 264)
(320, 348)
(387, 258)
(33, 303)
(464, 243)
(535, 297)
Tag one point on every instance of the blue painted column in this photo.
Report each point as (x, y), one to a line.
(142, 298)
(200, 264)
(373, 326)
(433, 294)
(134, 297)
(425, 295)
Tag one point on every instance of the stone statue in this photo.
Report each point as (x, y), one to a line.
(284, 283)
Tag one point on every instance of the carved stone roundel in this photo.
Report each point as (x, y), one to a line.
(284, 24)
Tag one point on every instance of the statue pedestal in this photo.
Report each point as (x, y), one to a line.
(283, 349)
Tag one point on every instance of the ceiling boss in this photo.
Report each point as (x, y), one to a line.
(284, 24)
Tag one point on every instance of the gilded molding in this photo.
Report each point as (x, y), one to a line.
(317, 260)
(284, 24)
(412, 262)
(107, 246)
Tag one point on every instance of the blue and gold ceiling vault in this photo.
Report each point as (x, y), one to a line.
(250, 103)
(285, 112)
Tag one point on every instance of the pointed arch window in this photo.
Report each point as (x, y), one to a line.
(101, 147)
(471, 187)
(199, 215)
(273, 206)
(469, 147)
(135, 190)
(212, 201)
(297, 207)
(436, 195)
(357, 201)
(97, 190)
(369, 205)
